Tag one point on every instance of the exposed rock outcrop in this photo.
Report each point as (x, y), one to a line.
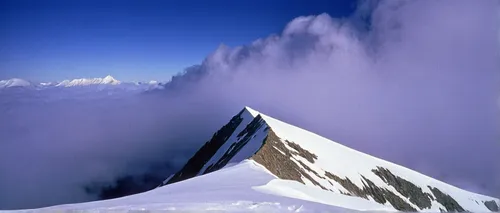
(491, 205)
(348, 185)
(380, 195)
(275, 156)
(447, 201)
(405, 188)
(302, 152)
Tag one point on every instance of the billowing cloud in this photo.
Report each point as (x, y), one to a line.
(414, 82)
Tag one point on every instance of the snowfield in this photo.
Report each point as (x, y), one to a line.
(229, 190)
(246, 173)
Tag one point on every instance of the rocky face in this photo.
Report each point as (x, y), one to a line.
(380, 195)
(248, 132)
(348, 185)
(405, 188)
(447, 201)
(203, 155)
(302, 152)
(491, 205)
(275, 157)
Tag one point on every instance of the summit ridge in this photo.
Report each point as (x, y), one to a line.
(294, 154)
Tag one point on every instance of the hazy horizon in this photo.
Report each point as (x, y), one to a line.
(134, 41)
(416, 83)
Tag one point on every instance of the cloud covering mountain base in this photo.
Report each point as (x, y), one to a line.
(415, 83)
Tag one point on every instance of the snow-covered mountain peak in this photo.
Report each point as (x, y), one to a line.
(14, 82)
(251, 111)
(321, 166)
(109, 80)
(257, 163)
(47, 84)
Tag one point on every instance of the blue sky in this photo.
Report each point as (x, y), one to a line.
(52, 40)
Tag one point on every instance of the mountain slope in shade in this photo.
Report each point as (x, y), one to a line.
(293, 154)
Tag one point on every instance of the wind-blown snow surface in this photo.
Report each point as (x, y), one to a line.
(227, 190)
(244, 185)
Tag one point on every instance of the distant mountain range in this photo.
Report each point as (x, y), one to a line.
(80, 82)
(109, 80)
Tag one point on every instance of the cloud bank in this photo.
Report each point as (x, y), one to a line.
(414, 82)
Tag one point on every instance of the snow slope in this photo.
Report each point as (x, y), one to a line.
(356, 164)
(228, 190)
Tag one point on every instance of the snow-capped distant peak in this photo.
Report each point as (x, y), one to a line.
(14, 82)
(109, 80)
